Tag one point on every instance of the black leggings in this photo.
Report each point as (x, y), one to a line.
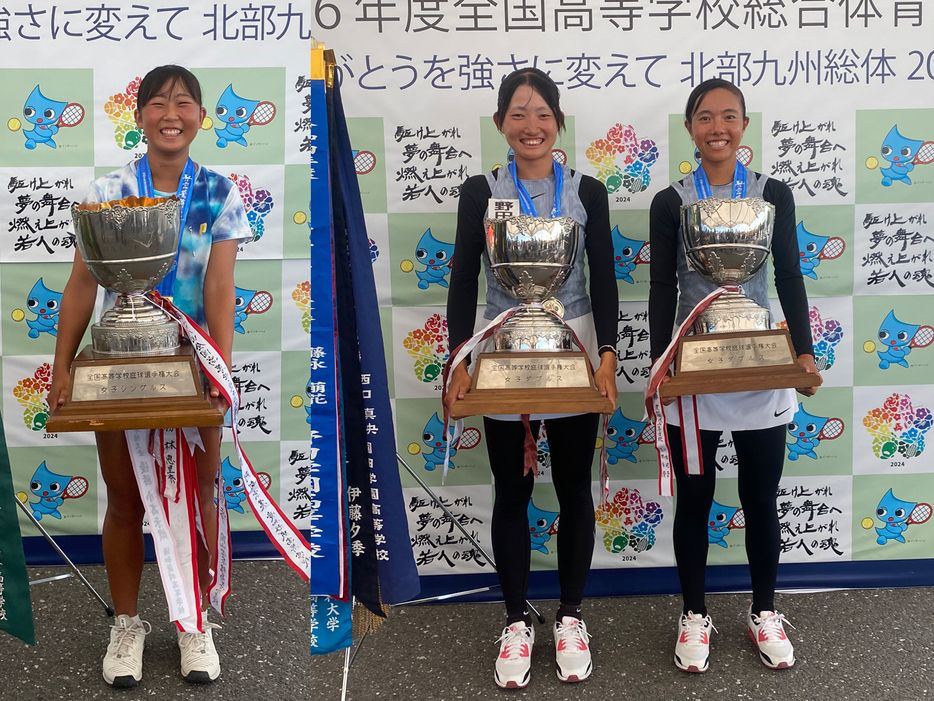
(571, 442)
(760, 455)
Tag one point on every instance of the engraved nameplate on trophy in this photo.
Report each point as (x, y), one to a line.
(102, 383)
(164, 391)
(531, 371)
(729, 351)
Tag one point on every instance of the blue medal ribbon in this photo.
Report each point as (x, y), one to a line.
(702, 184)
(525, 200)
(185, 183)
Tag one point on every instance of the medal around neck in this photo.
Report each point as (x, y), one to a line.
(731, 345)
(135, 373)
(535, 366)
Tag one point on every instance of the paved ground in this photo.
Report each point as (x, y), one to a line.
(854, 645)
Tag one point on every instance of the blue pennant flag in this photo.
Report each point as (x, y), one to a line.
(398, 577)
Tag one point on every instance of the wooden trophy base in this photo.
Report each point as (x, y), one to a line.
(119, 393)
(743, 361)
(531, 382)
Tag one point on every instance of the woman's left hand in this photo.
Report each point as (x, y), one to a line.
(218, 401)
(807, 362)
(604, 377)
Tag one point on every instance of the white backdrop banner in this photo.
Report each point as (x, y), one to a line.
(840, 95)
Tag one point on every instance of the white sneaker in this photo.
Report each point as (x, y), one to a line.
(768, 634)
(200, 663)
(572, 650)
(514, 663)
(692, 651)
(123, 661)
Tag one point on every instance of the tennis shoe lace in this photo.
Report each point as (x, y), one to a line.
(696, 627)
(572, 634)
(125, 645)
(770, 625)
(512, 640)
(197, 643)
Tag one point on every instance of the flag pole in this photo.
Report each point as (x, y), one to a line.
(107, 608)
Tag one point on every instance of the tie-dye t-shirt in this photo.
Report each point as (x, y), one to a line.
(215, 207)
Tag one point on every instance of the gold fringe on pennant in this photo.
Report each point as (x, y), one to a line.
(365, 621)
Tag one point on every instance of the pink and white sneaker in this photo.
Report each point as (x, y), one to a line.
(692, 651)
(573, 661)
(768, 635)
(514, 662)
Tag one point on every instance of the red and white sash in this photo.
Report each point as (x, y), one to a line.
(687, 406)
(163, 461)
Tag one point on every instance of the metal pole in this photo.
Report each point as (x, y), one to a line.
(107, 608)
(33, 582)
(473, 541)
(442, 597)
(346, 673)
(356, 650)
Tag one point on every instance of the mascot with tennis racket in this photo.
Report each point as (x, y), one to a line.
(238, 114)
(897, 338)
(807, 431)
(249, 302)
(721, 521)
(47, 116)
(813, 249)
(52, 489)
(903, 154)
(896, 515)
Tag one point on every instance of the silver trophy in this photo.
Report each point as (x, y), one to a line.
(534, 365)
(727, 241)
(129, 246)
(531, 258)
(733, 347)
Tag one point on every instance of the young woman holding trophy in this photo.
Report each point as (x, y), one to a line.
(529, 117)
(170, 114)
(715, 118)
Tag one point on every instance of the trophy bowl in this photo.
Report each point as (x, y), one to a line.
(531, 258)
(727, 241)
(128, 246)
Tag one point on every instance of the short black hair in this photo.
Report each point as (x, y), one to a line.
(698, 93)
(153, 81)
(536, 79)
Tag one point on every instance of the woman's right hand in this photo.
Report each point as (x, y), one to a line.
(459, 385)
(58, 393)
